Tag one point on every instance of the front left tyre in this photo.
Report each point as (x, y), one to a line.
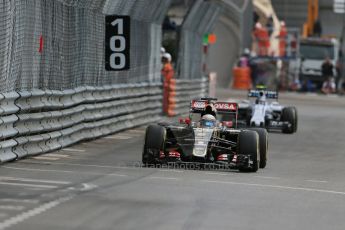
(154, 143)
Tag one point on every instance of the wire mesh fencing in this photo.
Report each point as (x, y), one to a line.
(59, 44)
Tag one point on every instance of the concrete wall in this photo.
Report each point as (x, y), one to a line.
(224, 53)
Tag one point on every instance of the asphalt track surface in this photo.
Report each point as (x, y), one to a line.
(99, 185)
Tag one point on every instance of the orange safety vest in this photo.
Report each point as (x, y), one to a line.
(262, 37)
(282, 40)
(168, 71)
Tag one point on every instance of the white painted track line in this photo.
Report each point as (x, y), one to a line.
(86, 165)
(163, 178)
(26, 201)
(28, 185)
(57, 155)
(116, 174)
(119, 137)
(139, 131)
(12, 207)
(276, 187)
(34, 180)
(268, 177)
(65, 171)
(46, 158)
(33, 212)
(73, 150)
(170, 170)
(318, 181)
(219, 174)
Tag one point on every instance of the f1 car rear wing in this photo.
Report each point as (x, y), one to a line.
(199, 106)
(268, 93)
(202, 106)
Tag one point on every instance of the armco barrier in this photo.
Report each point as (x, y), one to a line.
(6, 150)
(7, 103)
(35, 122)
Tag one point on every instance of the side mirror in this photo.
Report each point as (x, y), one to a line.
(186, 121)
(228, 124)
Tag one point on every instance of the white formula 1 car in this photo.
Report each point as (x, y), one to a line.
(266, 112)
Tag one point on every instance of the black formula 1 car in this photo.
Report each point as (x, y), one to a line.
(266, 112)
(205, 140)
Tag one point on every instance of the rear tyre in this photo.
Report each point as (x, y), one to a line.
(248, 144)
(249, 116)
(289, 114)
(263, 145)
(154, 143)
(296, 119)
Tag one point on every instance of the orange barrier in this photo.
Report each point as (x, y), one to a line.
(241, 78)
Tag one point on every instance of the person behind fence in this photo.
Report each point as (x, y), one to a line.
(342, 86)
(282, 39)
(270, 25)
(167, 69)
(161, 56)
(329, 86)
(327, 68)
(339, 70)
(244, 59)
(261, 36)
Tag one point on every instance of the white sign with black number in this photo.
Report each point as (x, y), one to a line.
(117, 43)
(339, 6)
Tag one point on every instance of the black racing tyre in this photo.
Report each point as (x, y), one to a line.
(249, 115)
(296, 118)
(154, 143)
(289, 114)
(263, 145)
(248, 144)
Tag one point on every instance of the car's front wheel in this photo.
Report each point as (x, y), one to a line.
(154, 143)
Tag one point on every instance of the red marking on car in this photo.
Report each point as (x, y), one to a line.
(174, 154)
(234, 159)
(222, 157)
(186, 121)
(228, 124)
(199, 104)
(161, 154)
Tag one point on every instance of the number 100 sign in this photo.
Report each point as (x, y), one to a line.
(117, 42)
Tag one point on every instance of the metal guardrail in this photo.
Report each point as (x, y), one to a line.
(40, 121)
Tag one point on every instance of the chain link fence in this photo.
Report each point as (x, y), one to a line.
(73, 43)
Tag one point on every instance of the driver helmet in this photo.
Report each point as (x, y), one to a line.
(208, 120)
(261, 98)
